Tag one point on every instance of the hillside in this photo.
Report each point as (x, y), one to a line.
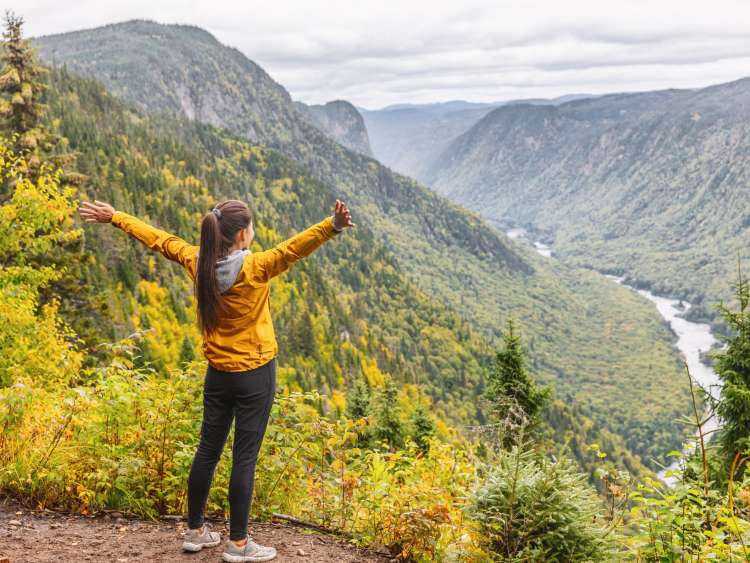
(341, 121)
(649, 185)
(584, 333)
(351, 312)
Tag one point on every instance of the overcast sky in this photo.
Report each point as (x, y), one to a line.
(379, 53)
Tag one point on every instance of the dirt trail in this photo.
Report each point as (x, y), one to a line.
(34, 537)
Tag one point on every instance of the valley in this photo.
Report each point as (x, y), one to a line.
(487, 364)
(579, 329)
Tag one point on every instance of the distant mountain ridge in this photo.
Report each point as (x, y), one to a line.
(440, 107)
(341, 121)
(411, 137)
(460, 105)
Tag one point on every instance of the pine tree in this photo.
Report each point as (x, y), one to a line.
(21, 107)
(358, 400)
(509, 383)
(187, 350)
(388, 426)
(732, 365)
(423, 427)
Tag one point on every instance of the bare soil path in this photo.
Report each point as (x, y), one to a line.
(39, 537)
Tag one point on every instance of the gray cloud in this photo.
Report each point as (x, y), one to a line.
(479, 50)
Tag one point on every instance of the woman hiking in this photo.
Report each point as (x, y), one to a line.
(231, 287)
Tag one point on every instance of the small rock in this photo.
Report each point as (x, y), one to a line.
(14, 523)
(54, 525)
(301, 552)
(117, 515)
(295, 543)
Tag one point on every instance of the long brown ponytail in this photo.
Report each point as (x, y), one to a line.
(218, 229)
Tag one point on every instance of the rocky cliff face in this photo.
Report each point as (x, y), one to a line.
(341, 121)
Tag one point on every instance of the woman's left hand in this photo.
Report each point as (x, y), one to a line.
(97, 212)
(341, 216)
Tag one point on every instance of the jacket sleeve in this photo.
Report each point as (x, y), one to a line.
(171, 246)
(278, 259)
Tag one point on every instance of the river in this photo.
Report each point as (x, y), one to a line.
(693, 339)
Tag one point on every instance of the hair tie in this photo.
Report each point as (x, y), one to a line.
(216, 211)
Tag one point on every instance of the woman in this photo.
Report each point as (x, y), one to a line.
(231, 287)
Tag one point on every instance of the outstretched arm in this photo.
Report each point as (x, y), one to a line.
(279, 258)
(169, 245)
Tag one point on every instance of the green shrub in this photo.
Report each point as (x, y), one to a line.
(530, 508)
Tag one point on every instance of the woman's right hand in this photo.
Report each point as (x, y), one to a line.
(97, 212)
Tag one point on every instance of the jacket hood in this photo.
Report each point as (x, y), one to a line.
(229, 267)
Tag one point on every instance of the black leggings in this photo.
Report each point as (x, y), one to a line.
(246, 396)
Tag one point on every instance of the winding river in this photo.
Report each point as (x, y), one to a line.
(693, 339)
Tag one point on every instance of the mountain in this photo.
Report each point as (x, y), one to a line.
(461, 105)
(652, 185)
(341, 121)
(440, 107)
(348, 313)
(410, 137)
(584, 333)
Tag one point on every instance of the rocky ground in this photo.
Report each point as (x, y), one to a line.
(28, 536)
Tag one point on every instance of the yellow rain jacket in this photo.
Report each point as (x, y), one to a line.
(245, 338)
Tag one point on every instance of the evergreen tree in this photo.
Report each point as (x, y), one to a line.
(358, 400)
(509, 383)
(187, 350)
(732, 365)
(20, 85)
(21, 107)
(388, 426)
(530, 508)
(423, 427)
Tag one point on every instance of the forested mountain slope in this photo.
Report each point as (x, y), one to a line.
(604, 347)
(350, 312)
(654, 184)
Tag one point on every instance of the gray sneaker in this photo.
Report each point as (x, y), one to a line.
(195, 541)
(251, 551)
